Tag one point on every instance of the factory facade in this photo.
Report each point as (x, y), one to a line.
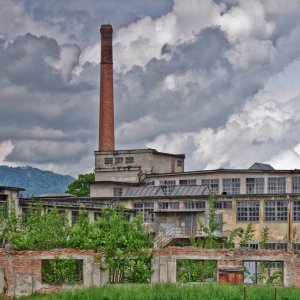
(174, 203)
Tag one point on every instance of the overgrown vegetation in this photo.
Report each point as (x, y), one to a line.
(213, 241)
(81, 186)
(172, 292)
(58, 271)
(123, 242)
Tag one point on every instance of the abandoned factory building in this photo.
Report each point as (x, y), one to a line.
(174, 203)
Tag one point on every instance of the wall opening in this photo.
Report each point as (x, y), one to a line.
(263, 272)
(188, 270)
(62, 271)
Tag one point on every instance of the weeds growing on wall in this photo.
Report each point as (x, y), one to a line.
(124, 242)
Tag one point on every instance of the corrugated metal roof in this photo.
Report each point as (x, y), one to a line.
(260, 166)
(188, 190)
(144, 191)
(179, 190)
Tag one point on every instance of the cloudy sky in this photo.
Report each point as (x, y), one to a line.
(218, 80)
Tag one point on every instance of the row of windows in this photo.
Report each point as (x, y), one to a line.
(118, 160)
(231, 186)
(275, 211)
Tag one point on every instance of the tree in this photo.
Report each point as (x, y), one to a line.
(81, 186)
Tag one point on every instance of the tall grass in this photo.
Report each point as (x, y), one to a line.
(173, 292)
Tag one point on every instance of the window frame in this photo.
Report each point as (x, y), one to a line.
(274, 211)
(232, 186)
(274, 185)
(248, 205)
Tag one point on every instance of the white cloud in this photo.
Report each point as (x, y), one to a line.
(6, 147)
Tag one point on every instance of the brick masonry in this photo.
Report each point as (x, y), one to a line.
(21, 271)
(106, 124)
(164, 262)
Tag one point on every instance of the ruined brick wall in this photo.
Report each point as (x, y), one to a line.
(21, 271)
(164, 262)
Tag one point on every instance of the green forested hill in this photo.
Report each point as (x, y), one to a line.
(34, 180)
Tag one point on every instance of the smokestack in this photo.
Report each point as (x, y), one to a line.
(106, 123)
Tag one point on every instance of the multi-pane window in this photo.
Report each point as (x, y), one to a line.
(296, 246)
(169, 205)
(97, 214)
(179, 163)
(150, 183)
(108, 160)
(276, 246)
(194, 205)
(118, 192)
(276, 185)
(255, 185)
(3, 209)
(74, 217)
(167, 186)
(231, 186)
(119, 160)
(296, 211)
(248, 211)
(129, 160)
(296, 184)
(213, 185)
(276, 211)
(223, 204)
(146, 209)
(187, 182)
(253, 245)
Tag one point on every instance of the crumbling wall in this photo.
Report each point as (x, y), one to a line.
(21, 271)
(164, 262)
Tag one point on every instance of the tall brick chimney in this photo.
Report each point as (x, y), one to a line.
(106, 122)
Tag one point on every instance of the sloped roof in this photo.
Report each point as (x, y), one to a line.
(260, 166)
(179, 190)
(144, 191)
(188, 190)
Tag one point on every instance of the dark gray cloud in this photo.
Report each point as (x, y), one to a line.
(190, 76)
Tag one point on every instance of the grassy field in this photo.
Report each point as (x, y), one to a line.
(173, 292)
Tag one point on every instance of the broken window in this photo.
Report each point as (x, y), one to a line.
(196, 270)
(276, 185)
(276, 246)
(108, 160)
(169, 205)
(129, 160)
(179, 163)
(187, 182)
(118, 192)
(213, 184)
(119, 160)
(276, 211)
(296, 211)
(247, 211)
(97, 215)
(74, 217)
(231, 186)
(194, 205)
(223, 204)
(167, 186)
(3, 209)
(255, 185)
(263, 272)
(146, 209)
